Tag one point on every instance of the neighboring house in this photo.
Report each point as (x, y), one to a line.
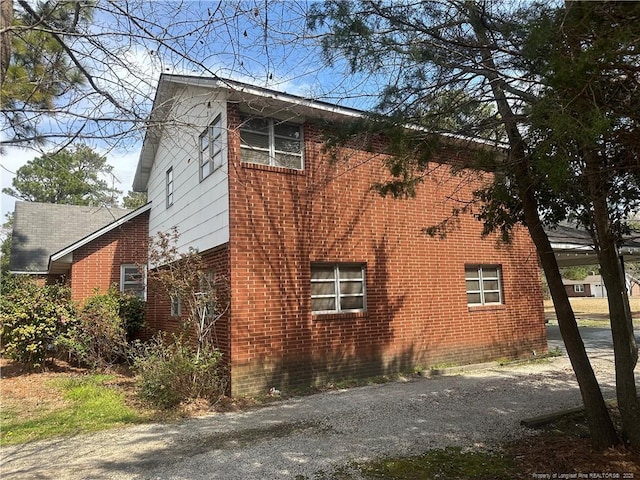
(86, 247)
(593, 286)
(327, 279)
(577, 288)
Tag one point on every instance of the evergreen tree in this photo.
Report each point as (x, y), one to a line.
(133, 200)
(490, 51)
(77, 177)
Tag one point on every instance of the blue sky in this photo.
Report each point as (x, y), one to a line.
(226, 38)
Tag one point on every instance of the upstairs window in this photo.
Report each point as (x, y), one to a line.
(268, 141)
(132, 281)
(169, 185)
(211, 148)
(337, 288)
(484, 285)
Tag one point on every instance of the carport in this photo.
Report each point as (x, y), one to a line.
(573, 246)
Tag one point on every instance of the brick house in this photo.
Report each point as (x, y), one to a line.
(327, 279)
(593, 286)
(86, 247)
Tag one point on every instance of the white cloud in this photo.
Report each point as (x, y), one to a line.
(12, 159)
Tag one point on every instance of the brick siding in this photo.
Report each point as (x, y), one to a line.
(158, 316)
(417, 314)
(97, 264)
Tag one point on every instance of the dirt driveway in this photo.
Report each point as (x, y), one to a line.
(312, 436)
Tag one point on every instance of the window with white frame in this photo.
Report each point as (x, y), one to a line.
(484, 284)
(207, 293)
(132, 280)
(211, 148)
(578, 288)
(269, 141)
(169, 183)
(338, 287)
(176, 305)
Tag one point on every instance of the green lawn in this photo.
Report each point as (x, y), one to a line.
(89, 406)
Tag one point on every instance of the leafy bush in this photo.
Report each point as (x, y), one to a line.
(33, 318)
(100, 338)
(131, 309)
(170, 372)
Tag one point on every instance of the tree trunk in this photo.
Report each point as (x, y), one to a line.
(624, 343)
(6, 19)
(603, 433)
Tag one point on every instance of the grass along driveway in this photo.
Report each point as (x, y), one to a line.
(66, 404)
(592, 311)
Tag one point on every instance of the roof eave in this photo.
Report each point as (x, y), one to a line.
(59, 256)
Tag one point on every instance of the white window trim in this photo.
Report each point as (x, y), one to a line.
(271, 151)
(124, 283)
(481, 278)
(578, 288)
(169, 181)
(336, 294)
(207, 286)
(175, 309)
(213, 133)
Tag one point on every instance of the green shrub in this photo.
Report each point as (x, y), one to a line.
(100, 338)
(131, 309)
(33, 318)
(170, 372)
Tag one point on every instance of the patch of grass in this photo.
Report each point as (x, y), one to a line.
(450, 463)
(594, 323)
(90, 406)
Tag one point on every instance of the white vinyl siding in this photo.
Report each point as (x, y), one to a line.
(484, 284)
(200, 209)
(268, 141)
(338, 288)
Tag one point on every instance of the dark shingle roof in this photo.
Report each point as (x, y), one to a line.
(42, 229)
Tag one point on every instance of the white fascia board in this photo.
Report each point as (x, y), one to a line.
(162, 103)
(20, 272)
(266, 93)
(571, 247)
(97, 234)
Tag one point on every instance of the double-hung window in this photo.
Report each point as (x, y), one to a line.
(132, 281)
(169, 187)
(578, 288)
(484, 284)
(269, 141)
(337, 288)
(211, 148)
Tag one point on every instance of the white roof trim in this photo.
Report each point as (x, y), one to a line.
(241, 87)
(572, 247)
(20, 272)
(98, 233)
(235, 90)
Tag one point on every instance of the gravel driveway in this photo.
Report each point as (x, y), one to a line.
(312, 435)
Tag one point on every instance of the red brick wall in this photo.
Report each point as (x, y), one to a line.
(282, 220)
(97, 264)
(159, 308)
